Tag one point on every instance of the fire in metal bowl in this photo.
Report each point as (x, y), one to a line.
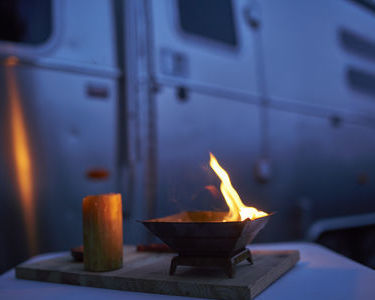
(204, 233)
(209, 238)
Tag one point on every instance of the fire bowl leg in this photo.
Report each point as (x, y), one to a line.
(250, 258)
(229, 270)
(173, 266)
(227, 264)
(244, 254)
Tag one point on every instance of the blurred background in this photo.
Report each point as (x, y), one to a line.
(130, 96)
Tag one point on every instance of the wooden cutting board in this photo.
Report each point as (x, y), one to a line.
(149, 272)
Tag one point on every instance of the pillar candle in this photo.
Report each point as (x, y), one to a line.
(102, 232)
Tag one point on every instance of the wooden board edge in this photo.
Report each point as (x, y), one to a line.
(266, 281)
(152, 286)
(132, 285)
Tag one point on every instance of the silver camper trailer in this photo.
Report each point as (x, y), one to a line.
(131, 96)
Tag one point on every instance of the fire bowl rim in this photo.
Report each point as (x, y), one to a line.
(160, 220)
(201, 237)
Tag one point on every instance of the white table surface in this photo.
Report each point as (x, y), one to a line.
(320, 274)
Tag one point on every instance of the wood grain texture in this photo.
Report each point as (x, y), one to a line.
(148, 272)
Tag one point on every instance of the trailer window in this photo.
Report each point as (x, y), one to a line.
(369, 4)
(210, 19)
(25, 21)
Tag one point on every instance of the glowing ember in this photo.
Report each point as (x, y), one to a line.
(237, 210)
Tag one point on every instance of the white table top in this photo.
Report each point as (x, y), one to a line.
(320, 274)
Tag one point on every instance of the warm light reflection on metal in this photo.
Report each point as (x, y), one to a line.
(11, 61)
(22, 156)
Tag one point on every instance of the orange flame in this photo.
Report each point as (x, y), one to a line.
(237, 210)
(22, 156)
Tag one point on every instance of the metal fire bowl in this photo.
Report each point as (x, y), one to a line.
(202, 233)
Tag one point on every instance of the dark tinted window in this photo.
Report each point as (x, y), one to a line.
(211, 19)
(362, 81)
(370, 4)
(358, 44)
(25, 21)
